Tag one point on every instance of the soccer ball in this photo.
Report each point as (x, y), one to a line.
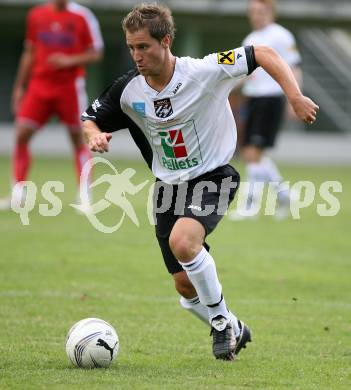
(92, 343)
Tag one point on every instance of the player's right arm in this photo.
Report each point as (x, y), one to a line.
(97, 140)
(102, 117)
(22, 76)
(105, 115)
(281, 72)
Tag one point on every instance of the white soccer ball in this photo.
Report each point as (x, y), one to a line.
(92, 343)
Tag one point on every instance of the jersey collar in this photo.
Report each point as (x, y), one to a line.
(159, 94)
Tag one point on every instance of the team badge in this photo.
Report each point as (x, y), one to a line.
(226, 57)
(163, 108)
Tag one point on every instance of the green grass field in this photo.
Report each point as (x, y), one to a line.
(290, 281)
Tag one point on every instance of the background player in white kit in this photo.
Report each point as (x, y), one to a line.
(164, 103)
(266, 105)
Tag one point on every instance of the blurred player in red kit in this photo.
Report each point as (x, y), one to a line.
(62, 37)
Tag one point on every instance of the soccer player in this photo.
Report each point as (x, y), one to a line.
(266, 105)
(178, 113)
(62, 37)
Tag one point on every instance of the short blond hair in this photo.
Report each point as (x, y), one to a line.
(156, 18)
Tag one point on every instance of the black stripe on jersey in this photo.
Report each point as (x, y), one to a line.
(107, 113)
(106, 110)
(250, 58)
(141, 142)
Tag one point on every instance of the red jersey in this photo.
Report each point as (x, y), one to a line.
(72, 30)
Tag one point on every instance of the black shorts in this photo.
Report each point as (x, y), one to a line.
(264, 117)
(205, 198)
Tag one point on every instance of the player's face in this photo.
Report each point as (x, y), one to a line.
(147, 52)
(260, 15)
(60, 3)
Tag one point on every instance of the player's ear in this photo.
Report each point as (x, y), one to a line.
(166, 41)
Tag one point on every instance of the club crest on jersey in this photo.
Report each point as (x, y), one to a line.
(163, 108)
(226, 57)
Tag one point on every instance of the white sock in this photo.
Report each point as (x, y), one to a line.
(203, 275)
(256, 175)
(250, 199)
(195, 307)
(256, 171)
(273, 175)
(272, 171)
(19, 193)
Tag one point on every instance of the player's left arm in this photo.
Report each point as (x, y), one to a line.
(297, 71)
(282, 73)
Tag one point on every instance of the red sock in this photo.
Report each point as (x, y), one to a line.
(21, 162)
(82, 155)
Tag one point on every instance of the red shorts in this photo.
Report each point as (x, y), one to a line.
(42, 100)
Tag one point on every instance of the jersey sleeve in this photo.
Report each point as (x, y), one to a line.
(108, 115)
(91, 34)
(231, 63)
(106, 110)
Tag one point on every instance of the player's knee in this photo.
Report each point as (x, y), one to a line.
(23, 135)
(251, 154)
(183, 247)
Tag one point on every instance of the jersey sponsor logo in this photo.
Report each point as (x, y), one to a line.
(176, 89)
(238, 56)
(177, 147)
(163, 108)
(175, 152)
(174, 165)
(139, 107)
(54, 38)
(173, 144)
(226, 57)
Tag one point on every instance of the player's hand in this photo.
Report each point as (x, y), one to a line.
(99, 142)
(60, 60)
(305, 108)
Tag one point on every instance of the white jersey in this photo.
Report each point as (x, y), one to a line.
(188, 128)
(260, 83)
